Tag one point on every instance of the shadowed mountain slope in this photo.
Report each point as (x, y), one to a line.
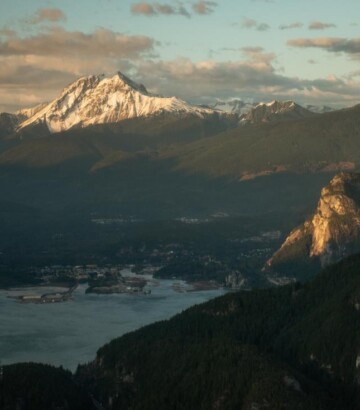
(326, 142)
(292, 347)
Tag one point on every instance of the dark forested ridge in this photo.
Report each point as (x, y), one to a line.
(293, 347)
(32, 386)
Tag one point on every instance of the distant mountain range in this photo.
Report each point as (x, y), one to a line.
(240, 107)
(108, 142)
(96, 99)
(275, 111)
(250, 141)
(317, 143)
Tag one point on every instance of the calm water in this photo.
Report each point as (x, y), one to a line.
(70, 333)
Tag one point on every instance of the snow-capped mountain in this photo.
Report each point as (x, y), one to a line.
(275, 111)
(97, 99)
(27, 113)
(240, 107)
(234, 106)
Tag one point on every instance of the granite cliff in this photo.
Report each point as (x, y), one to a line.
(331, 233)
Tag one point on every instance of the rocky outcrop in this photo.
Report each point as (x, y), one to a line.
(333, 232)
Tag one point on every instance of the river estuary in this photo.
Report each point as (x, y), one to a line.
(69, 333)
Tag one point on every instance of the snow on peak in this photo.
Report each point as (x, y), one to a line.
(126, 80)
(97, 99)
(234, 106)
(278, 104)
(274, 111)
(26, 113)
(241, 108)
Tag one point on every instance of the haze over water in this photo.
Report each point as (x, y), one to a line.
(70, 333)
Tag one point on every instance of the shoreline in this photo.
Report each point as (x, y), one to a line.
(44, 298)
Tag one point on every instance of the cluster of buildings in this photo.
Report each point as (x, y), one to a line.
(80, 273)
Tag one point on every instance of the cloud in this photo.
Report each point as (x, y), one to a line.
(49, 14)
(205, 81)
(155, 9)
(248, 23)
(45, 15)
(191, 80)
(201, 7)
(143, 8)
(6, 32)
(318, 25)
(257, 54)
(59, 42)
(330, 44)
(40, 65)
(353, 74)
(254, 77)
(28, 75)
(34, 69)
(26, 83)
(165, 9)
(252, 50)
(262, 27)
(204, 7)
(291, 26)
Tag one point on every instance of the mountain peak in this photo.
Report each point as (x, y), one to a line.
(127, 81)
(118, 82)
(97, 99)
(333, 231)
(280, 103)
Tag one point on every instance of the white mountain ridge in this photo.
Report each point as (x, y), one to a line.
(241, 107)
(97, 99)
(234, 106)
(273, 111)
(27, 113)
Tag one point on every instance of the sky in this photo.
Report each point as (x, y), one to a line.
(201, 51)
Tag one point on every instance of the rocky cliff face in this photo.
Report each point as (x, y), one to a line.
(333, 232)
